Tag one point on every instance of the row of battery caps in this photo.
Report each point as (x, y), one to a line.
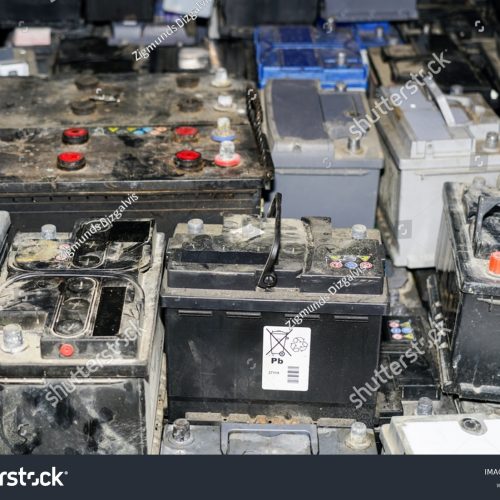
(190, 158)
(109, 100)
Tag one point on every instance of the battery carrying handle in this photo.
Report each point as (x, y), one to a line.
(484, 206)
(268, 430)
(268, 278)
(441, 101)
(256, 117)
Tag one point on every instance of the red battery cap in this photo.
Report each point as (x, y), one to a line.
(66, 350)
(188, 159)
(75, 136)
(494, 266)
(233, 162)
(186, 131)
(70, 160)
(188, 155)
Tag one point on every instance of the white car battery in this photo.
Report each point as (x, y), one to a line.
(430, 138)
(463, 434)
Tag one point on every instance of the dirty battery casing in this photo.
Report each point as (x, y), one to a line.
(120, 100)
(240, 337)
(317, 170)
(430, 138)
(242, 438)
(468, 289)
(166, 156)
(84, 372)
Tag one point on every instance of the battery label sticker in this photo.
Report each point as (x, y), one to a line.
(285, 358)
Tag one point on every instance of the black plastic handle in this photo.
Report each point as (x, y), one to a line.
(256, 118)
(268, 278)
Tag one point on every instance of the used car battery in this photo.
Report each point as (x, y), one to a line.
(468, 289)
(370, 10)
(430, 138)
(81, 346)
(77, 53)
(184, 437)
(408, 370)
(489, 57)
(96, 11)
(122, 100)
(169, 173)
(320, 167)
(396, 64)
(262, 318)
(33, 12)
(463, 434)
(305, 53)
(237, 18)
(17, 62)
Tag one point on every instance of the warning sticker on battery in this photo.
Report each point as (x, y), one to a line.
(285, 358)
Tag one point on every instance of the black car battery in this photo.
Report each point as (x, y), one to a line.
(96, 11)
(407, 370)
(87, 52)
(272, 317)
(123, 100)
(59, 173)
(237, 18)
(465, 291)
(81, 346)
(169, 173)
(33, 12)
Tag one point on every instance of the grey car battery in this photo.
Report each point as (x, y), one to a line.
(320, 167)
(430, 138)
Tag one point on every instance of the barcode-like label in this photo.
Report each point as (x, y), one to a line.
(293, 374)
(285, 358)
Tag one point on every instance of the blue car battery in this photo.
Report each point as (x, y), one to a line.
(304, 52)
